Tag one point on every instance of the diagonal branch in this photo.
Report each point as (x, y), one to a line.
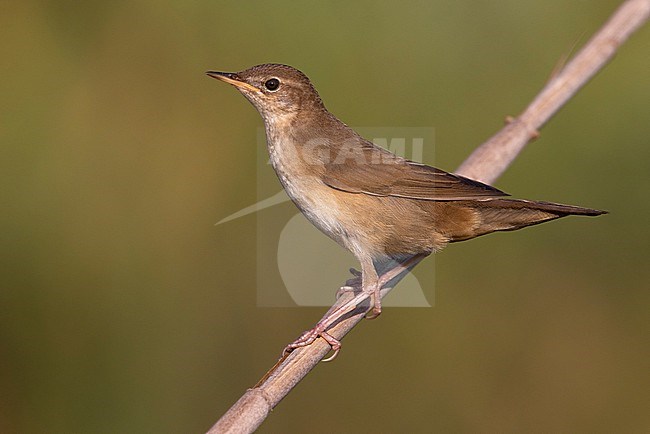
(493, 157)
(486, 164)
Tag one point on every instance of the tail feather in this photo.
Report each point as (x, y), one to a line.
(511, 214)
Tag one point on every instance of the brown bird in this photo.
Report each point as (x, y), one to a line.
(388, 211)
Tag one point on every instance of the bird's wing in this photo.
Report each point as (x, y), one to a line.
(371, 170)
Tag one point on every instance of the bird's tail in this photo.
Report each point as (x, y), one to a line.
(511, 214)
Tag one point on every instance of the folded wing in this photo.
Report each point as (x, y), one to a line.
(368, 169)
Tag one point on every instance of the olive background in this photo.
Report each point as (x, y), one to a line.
(123, 308)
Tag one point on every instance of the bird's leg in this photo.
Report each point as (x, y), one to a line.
(370, 288)
(361, 281)
(392, 273)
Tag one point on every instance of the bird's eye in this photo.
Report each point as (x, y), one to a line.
(272, 84)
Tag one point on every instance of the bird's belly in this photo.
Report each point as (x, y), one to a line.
(357, 222)
(316, 201)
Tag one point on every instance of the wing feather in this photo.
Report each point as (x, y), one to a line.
(368, 169)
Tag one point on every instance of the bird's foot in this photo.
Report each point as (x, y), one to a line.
(330, 318)
(374, 312)
(308, 337)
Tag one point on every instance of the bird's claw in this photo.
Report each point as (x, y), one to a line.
(308, 337)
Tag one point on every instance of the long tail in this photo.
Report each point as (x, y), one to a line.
(512, 214)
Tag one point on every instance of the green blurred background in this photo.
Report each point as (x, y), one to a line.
(125, 310)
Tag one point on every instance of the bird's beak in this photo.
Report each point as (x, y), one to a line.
(232, 78)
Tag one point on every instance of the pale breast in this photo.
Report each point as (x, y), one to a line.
(303, 185)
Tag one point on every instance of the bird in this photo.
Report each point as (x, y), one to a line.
(388, 211)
